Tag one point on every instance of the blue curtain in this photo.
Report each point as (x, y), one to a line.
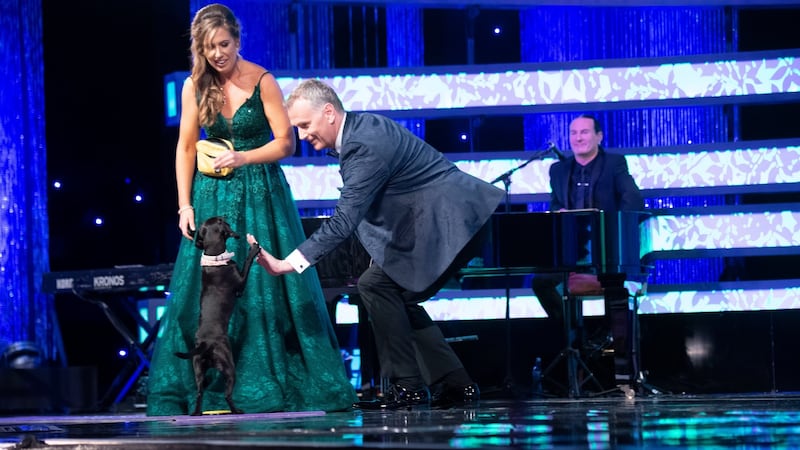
(26, 314)
(405, 48)
(571, 33)
(265, 30)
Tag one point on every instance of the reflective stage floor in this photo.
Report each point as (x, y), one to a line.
(612, 421)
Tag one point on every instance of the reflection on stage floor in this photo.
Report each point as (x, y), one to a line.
(612, 421)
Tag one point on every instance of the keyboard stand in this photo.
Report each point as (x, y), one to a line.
(571, 353)
(139, 357)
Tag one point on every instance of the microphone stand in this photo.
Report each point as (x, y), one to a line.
(506, 177)
(508, 383)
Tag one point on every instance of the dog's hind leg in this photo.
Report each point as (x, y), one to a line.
(231, 381)
(200, 366)
(227, 368)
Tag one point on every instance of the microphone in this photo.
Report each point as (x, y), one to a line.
(551, 147)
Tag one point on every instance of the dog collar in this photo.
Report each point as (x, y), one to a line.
(216, 260)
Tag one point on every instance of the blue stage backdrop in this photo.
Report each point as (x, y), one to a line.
(25, 313)
(300, 37)
(570, 33)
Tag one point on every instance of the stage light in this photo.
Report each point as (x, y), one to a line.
(172, 86)
(497, 31)
(122, 353)
(138, 198)
(464, 137)
(98, 221)
(22, 355)
(57, 184)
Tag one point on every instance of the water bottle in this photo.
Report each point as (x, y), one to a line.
(537, 377)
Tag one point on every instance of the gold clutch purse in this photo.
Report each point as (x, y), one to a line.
(207, 151)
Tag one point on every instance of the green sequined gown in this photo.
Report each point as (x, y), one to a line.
(286, 353)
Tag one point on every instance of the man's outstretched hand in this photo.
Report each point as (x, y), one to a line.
(273, 265)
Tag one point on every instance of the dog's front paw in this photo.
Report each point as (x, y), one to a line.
(253, 252)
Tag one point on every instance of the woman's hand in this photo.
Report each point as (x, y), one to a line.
(231, 158)
(186, 222)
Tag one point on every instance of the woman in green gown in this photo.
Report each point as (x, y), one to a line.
(286, 353)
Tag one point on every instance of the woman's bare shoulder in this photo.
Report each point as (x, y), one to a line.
(251, 72)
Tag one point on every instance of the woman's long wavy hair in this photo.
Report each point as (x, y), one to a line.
(206, 79)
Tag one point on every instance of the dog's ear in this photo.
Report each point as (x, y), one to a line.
(227, 230)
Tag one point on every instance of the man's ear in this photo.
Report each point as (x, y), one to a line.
(330, 113)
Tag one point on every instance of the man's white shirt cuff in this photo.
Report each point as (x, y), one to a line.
(297, 261)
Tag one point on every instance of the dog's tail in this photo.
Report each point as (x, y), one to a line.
(202, 348)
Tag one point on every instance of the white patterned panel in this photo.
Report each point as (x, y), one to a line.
(715, 79)
(741, 166)
(467, 305)
(721, 300)
(490, 305)
(721, 231)
(706, 168)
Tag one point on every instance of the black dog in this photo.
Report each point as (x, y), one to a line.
(222, 283)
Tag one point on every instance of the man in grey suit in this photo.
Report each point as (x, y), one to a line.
(420, 219)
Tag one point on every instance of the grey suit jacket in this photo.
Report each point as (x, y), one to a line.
(413, 210)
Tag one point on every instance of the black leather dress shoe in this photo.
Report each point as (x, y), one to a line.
(456, 396)
(398, 397)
